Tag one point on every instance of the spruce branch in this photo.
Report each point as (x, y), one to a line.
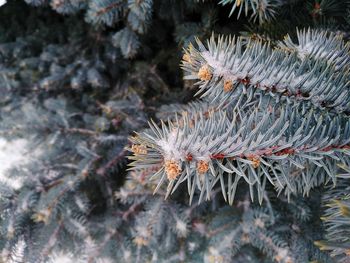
(140, 14)
(229, 69)
(259, 147)
(336, 218)
(67, 6)
(319, 45)
(106, 12)
(262, 10)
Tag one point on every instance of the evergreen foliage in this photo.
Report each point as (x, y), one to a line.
(261, 9)
(337, 218)
(255, 169)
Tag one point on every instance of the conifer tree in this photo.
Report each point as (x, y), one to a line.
(174, 131)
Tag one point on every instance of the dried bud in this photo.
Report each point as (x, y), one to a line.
(202, 167)
(186, 57)
(107, 109)
(245, 238)
(228, 85)
(282, 256)
(215, 259)
(42, 216)
(255, 160)
(138, 149)
(140, 241)
(172, 169)
(191, 124)
(214, 256)
(204, 73)
(180, 123)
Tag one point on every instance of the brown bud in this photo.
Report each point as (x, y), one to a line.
(202, 167)
(245, 238)
(140, 241)
(138, 149)
(204, 73)
(255, 160)
(228, 85)
(186, 57)
(172, 169)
